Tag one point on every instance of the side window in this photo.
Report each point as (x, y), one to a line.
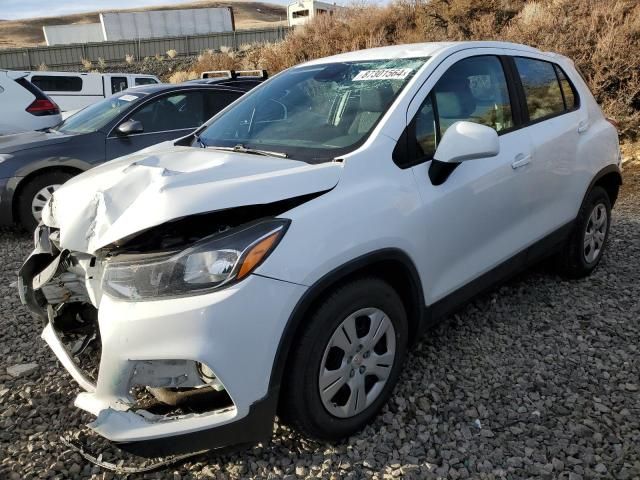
(425, 128)
(474, 90)
(145, 81)
(55, 83)
(568, 90)
(216, 101)
(541, 88)
(179, 111)
(118, 84)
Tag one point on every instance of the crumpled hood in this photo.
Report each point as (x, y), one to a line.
(22, 141)
(151, 187)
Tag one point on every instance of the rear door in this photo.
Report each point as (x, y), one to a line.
(168, 117)
(476, 211)
(555, 125)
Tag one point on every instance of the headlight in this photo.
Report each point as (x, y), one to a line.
(209, 264)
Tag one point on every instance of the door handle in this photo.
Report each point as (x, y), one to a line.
(583, 126)
(521, 160)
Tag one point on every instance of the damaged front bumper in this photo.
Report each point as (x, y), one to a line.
(220, 344)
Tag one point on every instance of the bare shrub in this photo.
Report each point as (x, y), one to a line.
(129, 58)
(172, 53)
(210, 60)
(43, 67)
(179, 77)
(101, 63)
(86, 64)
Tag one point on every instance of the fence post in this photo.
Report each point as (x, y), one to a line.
(29, 59)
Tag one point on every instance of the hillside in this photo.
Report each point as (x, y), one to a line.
(28, 32)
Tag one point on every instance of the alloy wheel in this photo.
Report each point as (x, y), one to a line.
(595, 233)
(357, 362)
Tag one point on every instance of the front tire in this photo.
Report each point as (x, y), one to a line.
(34, 196)
(586, 244)
(346, 361)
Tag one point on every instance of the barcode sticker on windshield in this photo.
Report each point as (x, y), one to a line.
(383, 74)
(128, 98)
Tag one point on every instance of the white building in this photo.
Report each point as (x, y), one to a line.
(301, 11)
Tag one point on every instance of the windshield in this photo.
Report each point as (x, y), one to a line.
(96, 116)
(313, 113)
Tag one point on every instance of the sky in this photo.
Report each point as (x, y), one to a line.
(14, 9)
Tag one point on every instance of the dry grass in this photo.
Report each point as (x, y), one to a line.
(630, 155)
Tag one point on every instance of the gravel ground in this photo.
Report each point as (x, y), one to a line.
(539, 378)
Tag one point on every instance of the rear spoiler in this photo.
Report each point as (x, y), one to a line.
(15, 75)
(234, 74)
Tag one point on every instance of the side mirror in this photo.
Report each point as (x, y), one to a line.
(467, 141)
(129, 127)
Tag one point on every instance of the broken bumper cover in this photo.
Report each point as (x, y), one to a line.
(234, 331)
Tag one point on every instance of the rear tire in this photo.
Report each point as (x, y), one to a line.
(34, 195)
(586, 244)
(335, 383)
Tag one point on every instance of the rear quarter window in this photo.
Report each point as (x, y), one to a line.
(568, 90)
(51, 83)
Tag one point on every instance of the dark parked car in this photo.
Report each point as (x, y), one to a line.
(34, 164)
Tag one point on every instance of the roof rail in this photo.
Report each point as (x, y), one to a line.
(233, 74)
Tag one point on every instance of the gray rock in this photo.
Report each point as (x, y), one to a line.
(22, 370)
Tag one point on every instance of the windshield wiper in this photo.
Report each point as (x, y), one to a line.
(242, 149)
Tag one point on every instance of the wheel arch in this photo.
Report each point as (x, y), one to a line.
(15, 209)
(610, 179)
(391, 265)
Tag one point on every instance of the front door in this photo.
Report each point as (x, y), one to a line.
(476, 210)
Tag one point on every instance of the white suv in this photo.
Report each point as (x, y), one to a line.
(285, 257)
(24, 106)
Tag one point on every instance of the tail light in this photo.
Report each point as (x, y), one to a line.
(43, 106)
(614, 123)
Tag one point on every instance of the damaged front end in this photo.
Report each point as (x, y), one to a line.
(147, 358)
(143, 275)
